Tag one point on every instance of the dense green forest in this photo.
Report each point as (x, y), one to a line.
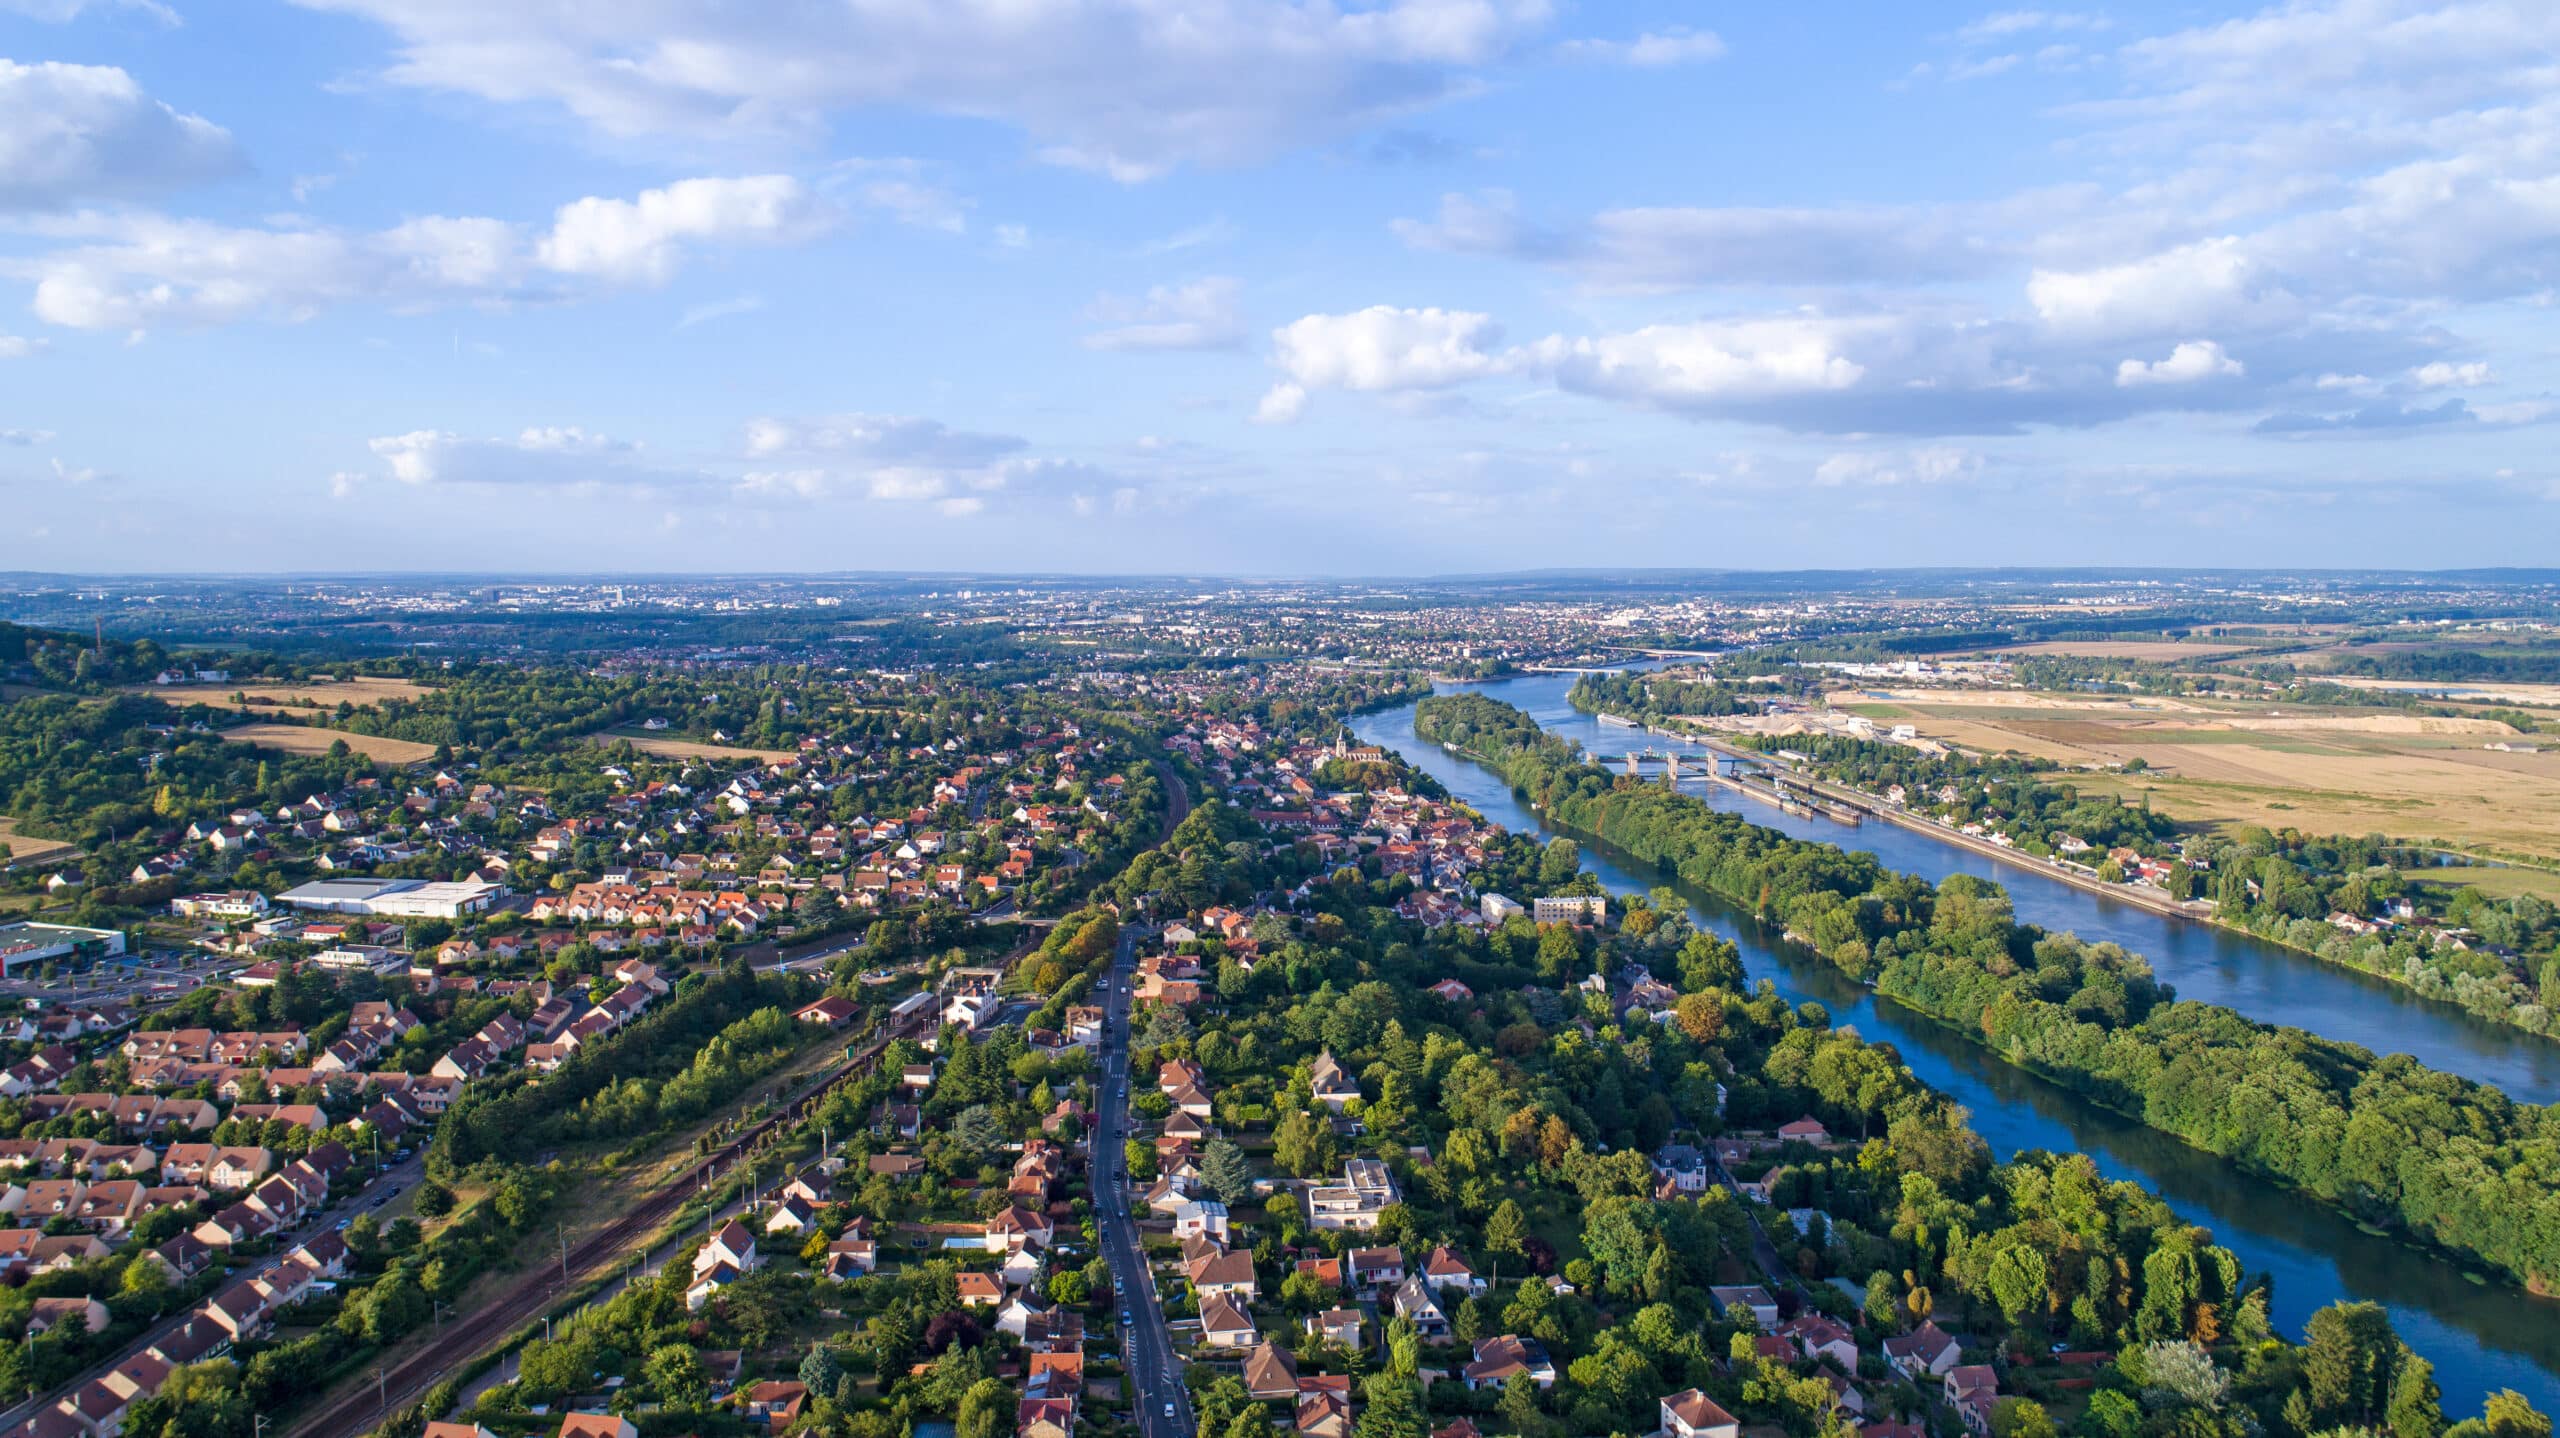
(1653, 697)
(2519, 665)
(2388, 1140)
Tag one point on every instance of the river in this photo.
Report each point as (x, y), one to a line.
(2480, 1337)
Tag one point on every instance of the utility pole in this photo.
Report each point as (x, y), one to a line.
(563, 1231)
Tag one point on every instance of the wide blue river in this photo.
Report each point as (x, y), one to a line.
(2480, 1337)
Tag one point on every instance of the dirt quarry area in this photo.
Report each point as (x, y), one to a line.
(2213, 761)
(362, 691)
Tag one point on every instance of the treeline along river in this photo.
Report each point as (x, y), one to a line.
(2481, 1336)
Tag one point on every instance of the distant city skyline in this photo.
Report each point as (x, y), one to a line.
(1250, 287)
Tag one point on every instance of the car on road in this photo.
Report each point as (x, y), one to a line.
(1125, 1319)
(1168, 1410)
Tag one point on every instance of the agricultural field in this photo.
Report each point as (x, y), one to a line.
(28, 849)
(302, 739)
(363, 692)
(2221, 763)
(2496, 883)
(669, 748)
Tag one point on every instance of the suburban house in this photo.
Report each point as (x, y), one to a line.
(1414, 1303)
(1225, 1325)
(1337, 1325)
(1820, 1337)
(1499, 1357)
(1269, 1372)
(1331, 1086)
(1693, 1414)
(1750, 1297)
(1973, 1389)
(1366, 1191)
(1924, 1353)
(1445, 1270)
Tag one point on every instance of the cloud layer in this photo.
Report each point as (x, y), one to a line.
(75, 134)
(136, 271)
(1128, 88)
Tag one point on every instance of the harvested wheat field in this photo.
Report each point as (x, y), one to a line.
(304, 739)
(666, 748)
(2223, 762)
(28, 849)
(363, 692)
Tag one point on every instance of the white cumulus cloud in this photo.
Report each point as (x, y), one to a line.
(638, 241)
(2190, 362)
(2440, 375)
(1387, 348)
(2178, 287)
(1680, 364)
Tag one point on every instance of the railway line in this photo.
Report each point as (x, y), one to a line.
(412, 1375)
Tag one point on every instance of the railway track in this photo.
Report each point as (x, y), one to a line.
(412, 1376)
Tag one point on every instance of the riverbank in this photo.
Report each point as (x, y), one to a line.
(2194, 911)
(2332, 1122)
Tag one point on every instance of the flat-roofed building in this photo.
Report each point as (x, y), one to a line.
(28, 942)
(394, 898)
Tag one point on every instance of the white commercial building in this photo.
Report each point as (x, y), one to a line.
(394, 898)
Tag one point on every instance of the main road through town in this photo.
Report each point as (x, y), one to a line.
(1146, 1345)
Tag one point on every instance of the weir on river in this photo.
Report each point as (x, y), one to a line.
(2480, 1337)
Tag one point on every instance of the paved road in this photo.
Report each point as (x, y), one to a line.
(1155, 1372)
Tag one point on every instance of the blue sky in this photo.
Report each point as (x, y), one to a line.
(1256, 285)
